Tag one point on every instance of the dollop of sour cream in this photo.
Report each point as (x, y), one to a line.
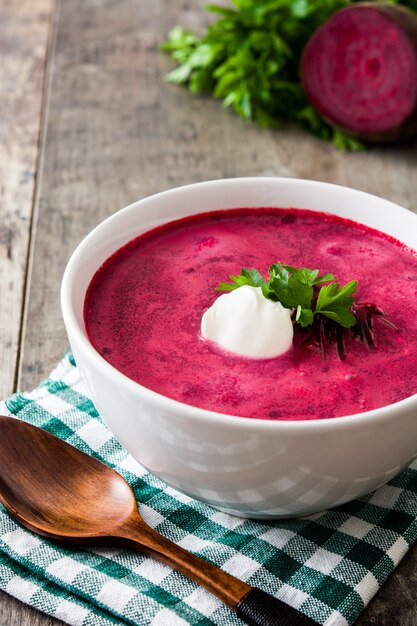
(243, 321)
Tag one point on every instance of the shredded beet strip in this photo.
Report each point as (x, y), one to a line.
(325, 331)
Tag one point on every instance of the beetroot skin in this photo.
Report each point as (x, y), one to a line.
(359, 70)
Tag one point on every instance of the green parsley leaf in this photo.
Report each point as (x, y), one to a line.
(249, 277)
(304, 316)
(344, 141)
(257, 280)
(335, 303)
(309, 277)
(291, 293)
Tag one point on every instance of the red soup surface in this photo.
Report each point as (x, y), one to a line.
(144, 306)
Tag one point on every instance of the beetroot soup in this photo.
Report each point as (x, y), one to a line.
(144, 306)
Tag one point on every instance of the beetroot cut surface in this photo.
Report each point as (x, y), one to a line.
(359, 70)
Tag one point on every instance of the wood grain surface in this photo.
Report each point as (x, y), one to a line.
(114, 132)
(24, 29)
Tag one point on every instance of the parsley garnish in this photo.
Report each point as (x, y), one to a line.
(320, 307)
(299, 289)
(250, 59)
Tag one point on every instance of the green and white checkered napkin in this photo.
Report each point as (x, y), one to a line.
(328, 565)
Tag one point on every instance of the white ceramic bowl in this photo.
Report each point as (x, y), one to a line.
(247, 467)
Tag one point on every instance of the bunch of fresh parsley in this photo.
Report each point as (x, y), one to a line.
(250, 58)
(298, 289)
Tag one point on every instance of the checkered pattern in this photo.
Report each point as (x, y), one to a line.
(328, 565)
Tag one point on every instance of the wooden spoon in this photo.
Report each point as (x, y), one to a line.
(66, 495)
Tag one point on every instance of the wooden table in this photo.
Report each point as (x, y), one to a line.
(87, 126)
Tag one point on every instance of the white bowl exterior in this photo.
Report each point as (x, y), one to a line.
(247, 467)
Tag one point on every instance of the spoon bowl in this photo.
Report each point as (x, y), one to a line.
(62, 493)
(55, 494)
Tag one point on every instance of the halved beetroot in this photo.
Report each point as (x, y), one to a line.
(359, 70)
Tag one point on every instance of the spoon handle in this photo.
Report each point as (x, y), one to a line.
(253, 606)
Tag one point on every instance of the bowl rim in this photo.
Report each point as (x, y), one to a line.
(158, 400)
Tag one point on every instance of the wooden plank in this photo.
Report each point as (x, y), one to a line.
(24, 31)
(118, 132)
(24, 28)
